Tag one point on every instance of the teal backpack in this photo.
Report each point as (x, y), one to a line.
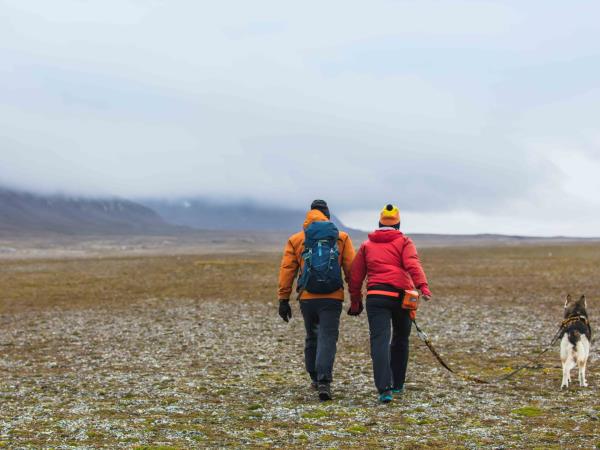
(321, 273)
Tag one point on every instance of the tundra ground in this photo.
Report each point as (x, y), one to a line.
(188, 352)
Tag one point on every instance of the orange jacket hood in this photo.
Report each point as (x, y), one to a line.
(314, 215)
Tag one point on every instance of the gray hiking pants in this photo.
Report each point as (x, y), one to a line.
(322, 323)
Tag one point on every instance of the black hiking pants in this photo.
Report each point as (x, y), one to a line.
(322, 323)
(389, 349)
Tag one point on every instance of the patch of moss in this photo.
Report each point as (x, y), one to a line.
(316, 414)
(94, 435)
(425, 421)
(155, 447)
(254, 407)
(259, 435)
(345, 413)
(168, 401)
(357, 429)
(528, 411)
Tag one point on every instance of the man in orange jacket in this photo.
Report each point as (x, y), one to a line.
(321, 311)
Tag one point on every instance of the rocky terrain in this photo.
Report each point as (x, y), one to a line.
(188, 352)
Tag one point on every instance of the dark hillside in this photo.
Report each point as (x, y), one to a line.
(24, 213)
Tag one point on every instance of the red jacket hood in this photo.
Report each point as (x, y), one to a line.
(384, 236)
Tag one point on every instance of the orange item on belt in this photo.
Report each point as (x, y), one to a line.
(410, 300)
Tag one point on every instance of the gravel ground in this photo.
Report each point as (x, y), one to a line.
(183, 373)
(197, 373)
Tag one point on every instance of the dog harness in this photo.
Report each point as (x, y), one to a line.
(569, 320)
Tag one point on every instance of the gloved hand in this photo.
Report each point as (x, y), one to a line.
(425, 293)
(285, 310)
(356, 306)
(412, 314)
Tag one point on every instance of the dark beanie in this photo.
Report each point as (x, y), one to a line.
(396, 226)
(321, 205)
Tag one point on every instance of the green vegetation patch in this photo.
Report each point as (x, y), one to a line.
(156, 447)
(528, 411)
(425, 421)
(316, 414)
(357, 429)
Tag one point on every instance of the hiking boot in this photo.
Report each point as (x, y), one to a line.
(324, 392)
(386, 397)
(398, 390)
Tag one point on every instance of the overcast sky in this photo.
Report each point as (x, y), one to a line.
(472, 116)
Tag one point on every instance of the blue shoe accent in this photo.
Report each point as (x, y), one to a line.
(399, 390)
(386, 397)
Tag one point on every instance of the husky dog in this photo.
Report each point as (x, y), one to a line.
(575, 340)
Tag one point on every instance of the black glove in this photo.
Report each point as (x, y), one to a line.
(355, 308)
(356, 305)
(285, 310)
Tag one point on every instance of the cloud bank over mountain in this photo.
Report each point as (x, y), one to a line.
(472, 116)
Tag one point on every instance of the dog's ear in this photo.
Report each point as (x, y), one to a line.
(582, 301)
(567, 300)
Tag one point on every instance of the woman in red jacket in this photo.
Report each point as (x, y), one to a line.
(390, 262)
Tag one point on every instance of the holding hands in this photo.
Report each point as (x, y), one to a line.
(356, 306)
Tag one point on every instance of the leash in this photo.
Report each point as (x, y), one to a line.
(535, 361)
(423, 336)
(529, 365)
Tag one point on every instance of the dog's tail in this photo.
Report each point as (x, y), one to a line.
(574, 337)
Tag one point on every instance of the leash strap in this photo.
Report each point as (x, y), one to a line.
(423, 336)
(533, 362)
(530, 365)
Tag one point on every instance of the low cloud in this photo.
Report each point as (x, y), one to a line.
(475, 111)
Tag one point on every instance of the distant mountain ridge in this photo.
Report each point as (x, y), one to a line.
(203, 214)
(27, 213)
